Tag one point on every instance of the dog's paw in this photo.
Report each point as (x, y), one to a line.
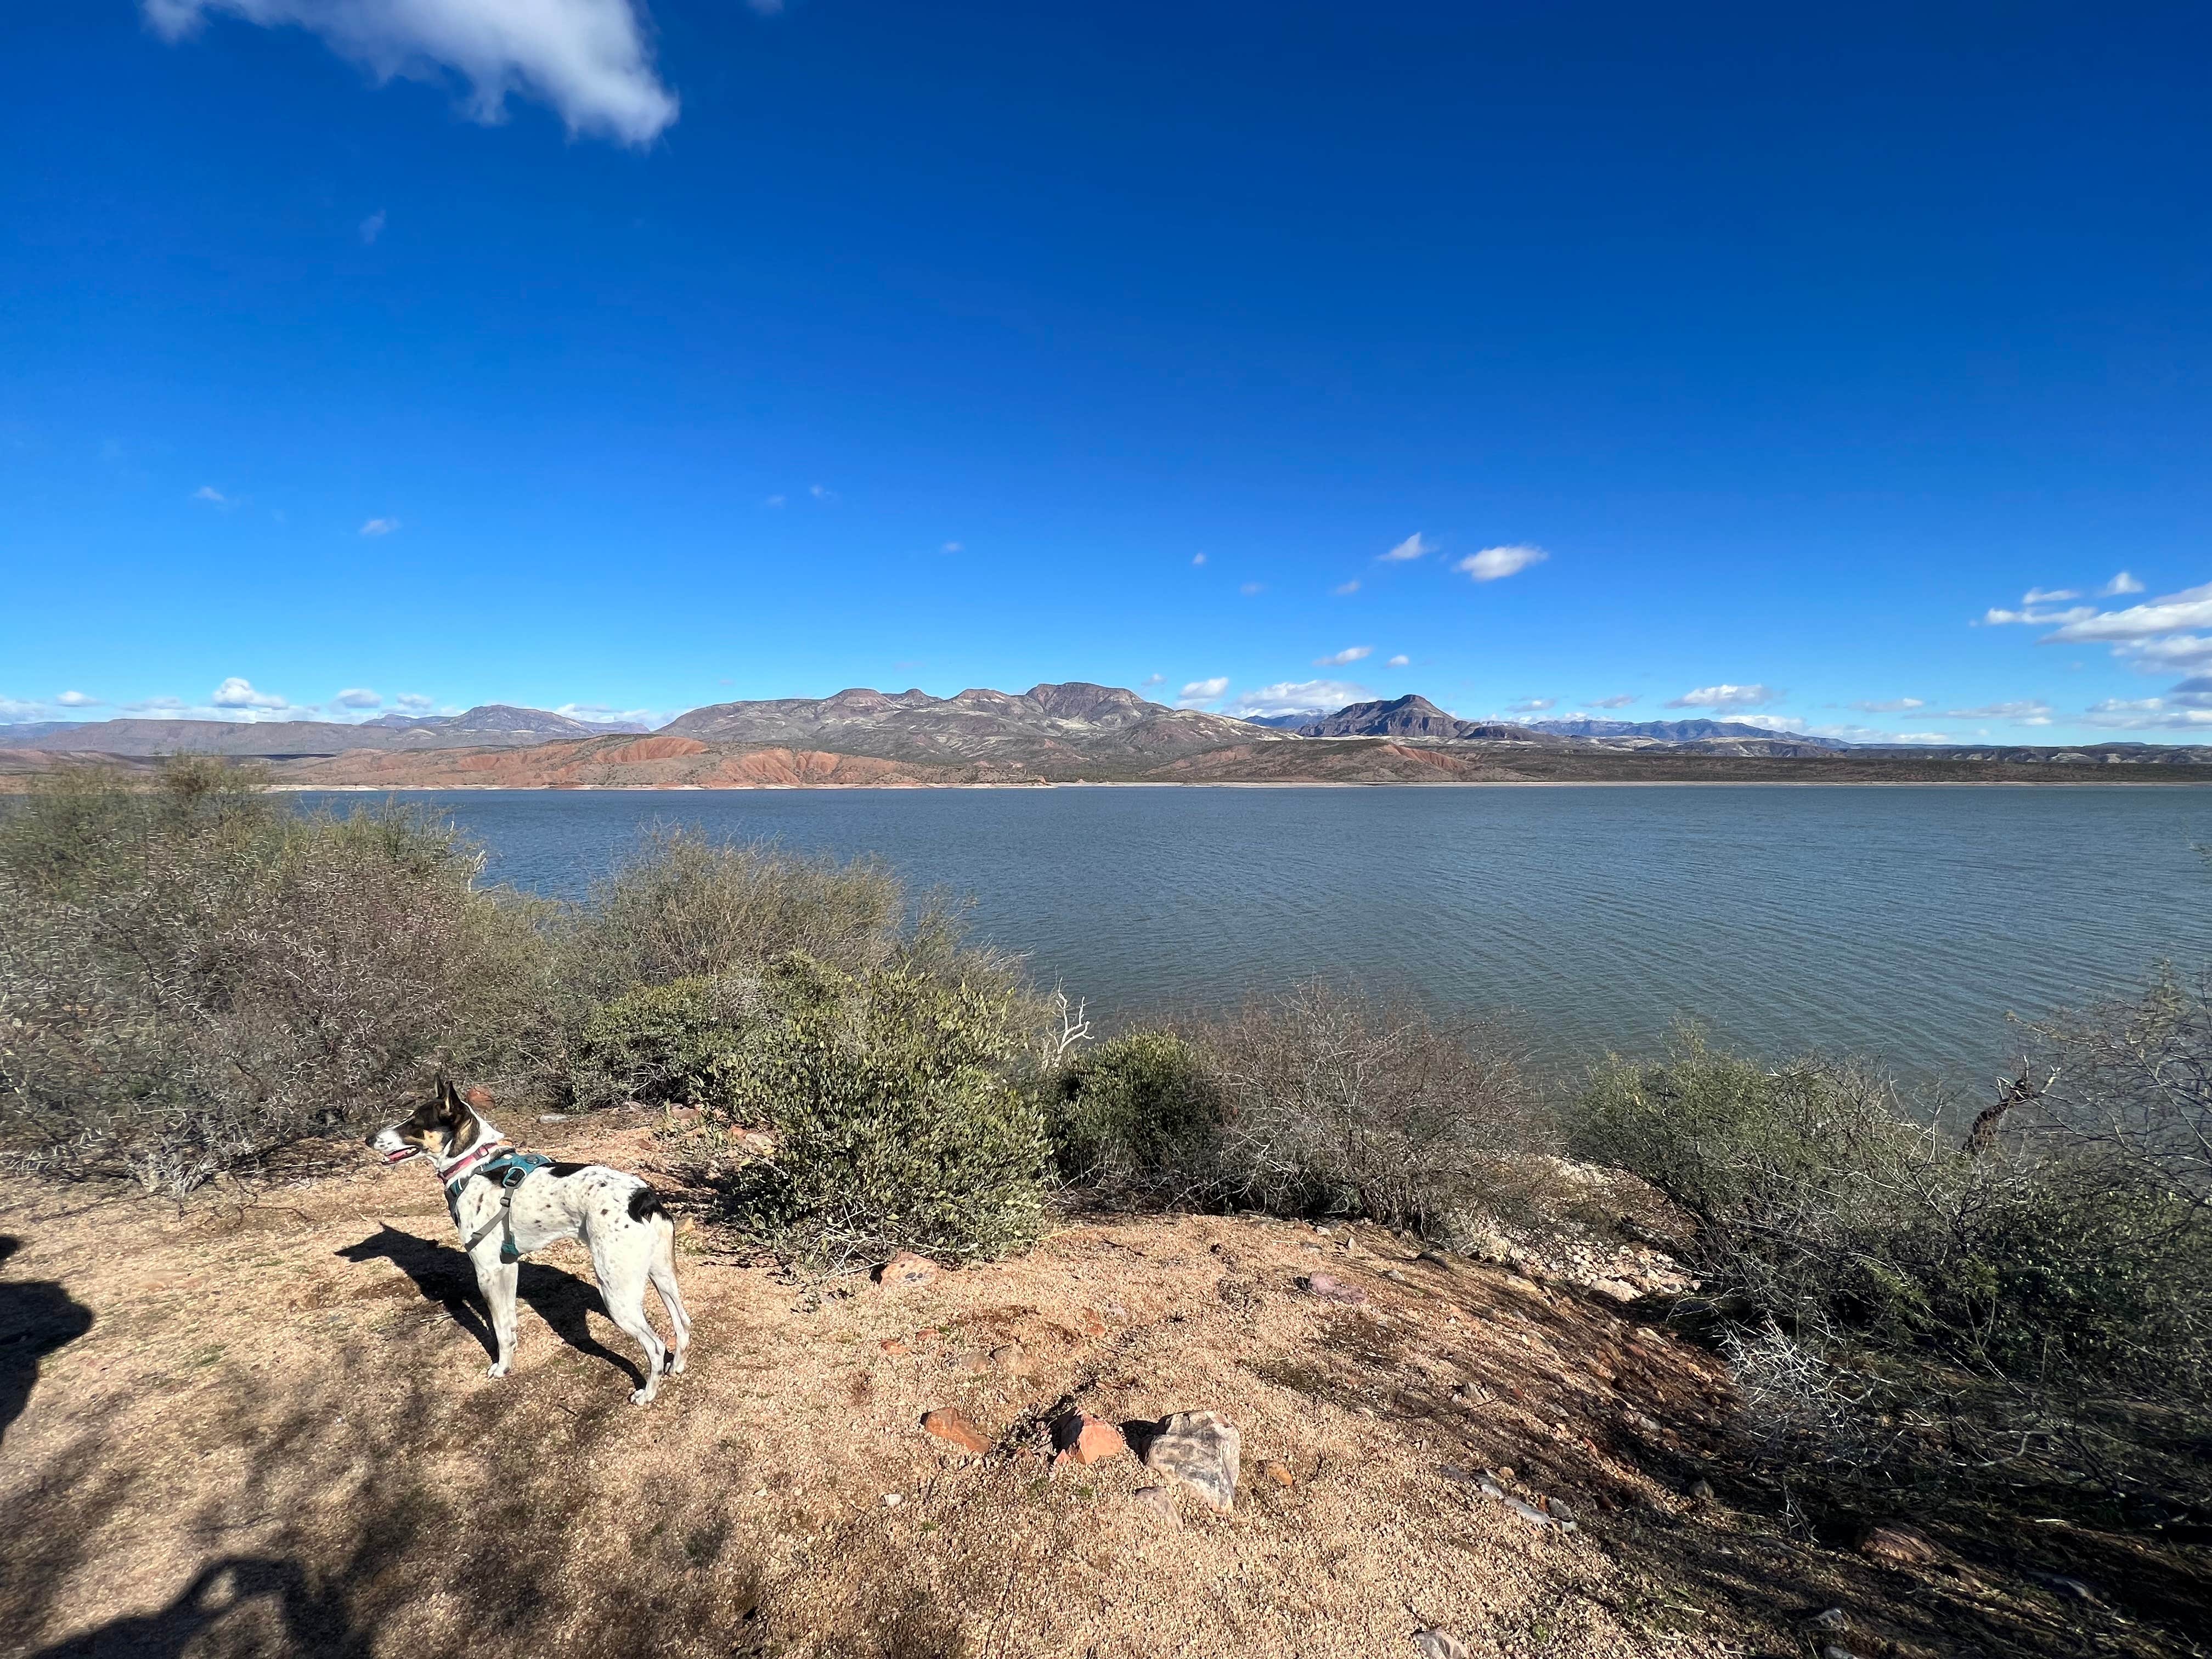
(676, 1365)
(641, 1396)
(499, 1370)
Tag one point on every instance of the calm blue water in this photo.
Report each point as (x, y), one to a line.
(1903, 921)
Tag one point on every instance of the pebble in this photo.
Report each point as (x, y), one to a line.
(1436, 1644)
(950, 1426)
(1160, 1501)
(905, 1271)
(1329, 1288)
(1086, 1439)
(1834, 1618)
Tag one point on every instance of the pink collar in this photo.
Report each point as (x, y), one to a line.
(461, 1166)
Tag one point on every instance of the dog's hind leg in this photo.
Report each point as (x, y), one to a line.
(662, 1273)
(496, 1280)
(625, 1301)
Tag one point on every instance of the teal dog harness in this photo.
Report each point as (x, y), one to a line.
(511, 1168)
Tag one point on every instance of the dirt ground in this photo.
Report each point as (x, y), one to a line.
(258, 1424)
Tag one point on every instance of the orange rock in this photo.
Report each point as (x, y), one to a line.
(1277, 1472)
(894, 1347)
(906, 1270)
(1092, 1324)
(951, 1426)
(1087, 1439)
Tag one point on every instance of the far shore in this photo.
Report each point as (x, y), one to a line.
(1152, 783)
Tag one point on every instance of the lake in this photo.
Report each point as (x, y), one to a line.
(1900, 922)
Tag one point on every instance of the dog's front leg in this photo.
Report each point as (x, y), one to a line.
(496, 1279)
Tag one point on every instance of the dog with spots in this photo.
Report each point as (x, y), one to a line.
(506, 1203)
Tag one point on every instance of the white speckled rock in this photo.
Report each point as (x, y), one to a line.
(1200, 1450)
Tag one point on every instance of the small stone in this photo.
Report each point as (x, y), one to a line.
(1558, 1512)
(1834, 1618)
(1091, 1323)
(1436, 1644)
(1329, 1288)
(1435, 1259)
(1897, 1544)
(951, 1426)
(894, 1347)
(1086, 1439)
(553, 1117)
(1528, 1512)
(1160, 1501)
(1619, 1289)
(1199, 1449)
(893, 1499)
(2070, 1589)
(1700, 1490)
(1394, 1275)
(905, 1271)
(1458, 1476)
(1013, 1360)
(1277, 1472)
(975, 1362)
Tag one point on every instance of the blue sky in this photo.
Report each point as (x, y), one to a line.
(1750, 360)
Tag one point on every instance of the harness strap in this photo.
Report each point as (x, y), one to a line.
(514, 1168)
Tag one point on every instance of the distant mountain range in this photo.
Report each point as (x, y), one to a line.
(1070, 733)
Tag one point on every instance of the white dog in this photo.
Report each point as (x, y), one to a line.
(507, 1203)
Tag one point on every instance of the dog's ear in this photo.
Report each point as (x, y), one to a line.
(450, 1105)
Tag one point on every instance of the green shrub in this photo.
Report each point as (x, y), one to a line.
(675, 1044)
(1138, 1114)
(897, 1114)
(191, 973)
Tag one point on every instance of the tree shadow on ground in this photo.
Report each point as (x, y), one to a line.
(446, 1277)
(36, 1317)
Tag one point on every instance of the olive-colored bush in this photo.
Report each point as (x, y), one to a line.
(1139, 1117)
(674, 1044)
(898, 1113)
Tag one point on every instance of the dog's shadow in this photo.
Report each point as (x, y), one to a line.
(448, 1278)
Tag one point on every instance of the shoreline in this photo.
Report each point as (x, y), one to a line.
(1316, 783)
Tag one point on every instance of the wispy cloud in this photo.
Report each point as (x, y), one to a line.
(1343, 588)
(371, 227)
(1297, 697)
(1726, 696)
(774, 501)
(1249, 588)
(381, 527)
(2170, 633)
(2020, 711)
(2184, 713)
(1620, 701)
(1345, 658)
(600, 713)
(1531, 705)
(1155, 679)
(1201, 691)
(413, 702)
(1889, 705)
(77, 700)
(213, 496)
(1198, 558)
(954, 547)
(15, 712)
(821, 492)
(2122, 583)
(2048, 595)
(1493, 562)
(359, 696)
(1401, 661)
(587, 58)
(1413, 547)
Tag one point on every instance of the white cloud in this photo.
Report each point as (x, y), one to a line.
(953, 546)
(1492, 562)
(1998, 618)
(1532, 705)
(1345, 658)
(1726, 696)
(1198, 558)
(1620, 701)
(14, 711)
(2195, 693)
(587, 58)
(2122, 583)
(77, 700)
(212, 496)
(156, 706)
(413, 702)
(821, 493)
(600, 713)
(1343, 588)
(236, 693)
(371, 227)
(2023, 711)
(1249, 588)
(1199, 691)
(1155, 679)
(773, 501)
(359, 696)
(2166, 634)
(1412, 548)
(380, 526)
(2185, 713)
(2048, 595)
(1299, 698)
(1889, 705)
(1401, 661)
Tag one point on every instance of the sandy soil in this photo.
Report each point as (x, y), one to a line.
(259, 1424)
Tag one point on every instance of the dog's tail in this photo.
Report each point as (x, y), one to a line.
(645, 1205)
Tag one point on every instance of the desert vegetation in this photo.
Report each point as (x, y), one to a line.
(1918, 1301)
